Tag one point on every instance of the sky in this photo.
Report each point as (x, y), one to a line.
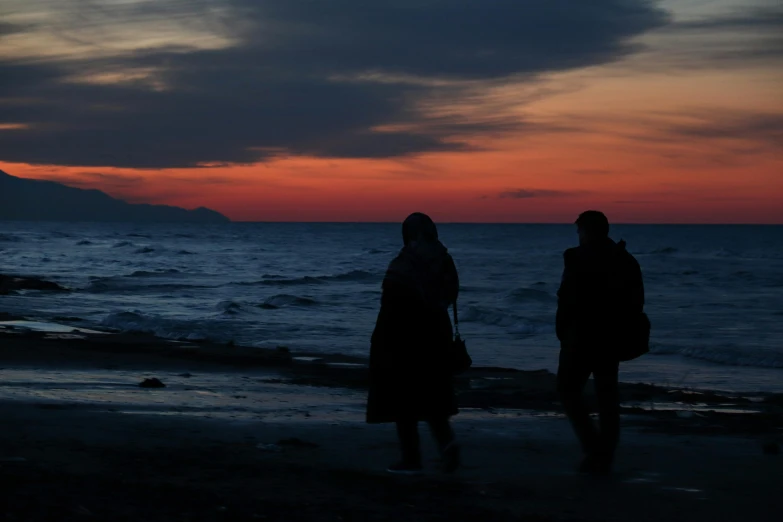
(348, 110)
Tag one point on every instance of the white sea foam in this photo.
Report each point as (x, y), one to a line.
(140, 322)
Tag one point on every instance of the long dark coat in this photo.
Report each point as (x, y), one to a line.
(409, 379)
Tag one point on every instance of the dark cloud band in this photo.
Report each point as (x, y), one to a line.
(275, 88)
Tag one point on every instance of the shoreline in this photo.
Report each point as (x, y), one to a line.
(482, 388)
(684, 366)
(218, 351)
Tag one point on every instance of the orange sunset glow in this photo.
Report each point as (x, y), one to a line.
(654, 112)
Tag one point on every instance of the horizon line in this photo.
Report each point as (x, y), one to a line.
(562, 223)
(490, 223)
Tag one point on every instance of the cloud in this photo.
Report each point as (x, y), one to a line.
(537, 193)
(742, 38)
(758, 17)
(6, 28)
(759, 128)
(721, 138)
(122, 181)
(110, 182)
(710, 136)
(163, 187)
(240, 81)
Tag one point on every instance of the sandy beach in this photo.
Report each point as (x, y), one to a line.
(240, 434)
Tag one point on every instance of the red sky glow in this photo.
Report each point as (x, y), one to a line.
(680, 121)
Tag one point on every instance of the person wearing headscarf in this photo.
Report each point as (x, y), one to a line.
(410, 380)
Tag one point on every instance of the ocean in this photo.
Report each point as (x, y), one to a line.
(714, 293)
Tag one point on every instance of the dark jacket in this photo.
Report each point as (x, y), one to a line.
(409, 377)
(601, 297)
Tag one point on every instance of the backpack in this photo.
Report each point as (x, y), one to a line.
(637, 336)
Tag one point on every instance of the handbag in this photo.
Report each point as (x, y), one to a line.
(460, 359)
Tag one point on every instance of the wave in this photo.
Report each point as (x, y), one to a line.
(306, 280)
(525, 295)
(664, 251)
(10, 238)
(762, 279)
(489, 316)
(84, 242)
(353, 275)
(125, 284)
(144, 250)
(523, 328)
(512, 323)
(726, 252)
(728, 355)
(103, 287)
(234, 308)
(277, 280)
(284, 300)
(139, 322)
(156, 273)
(229, 307)
(122, 244)
(272, 276)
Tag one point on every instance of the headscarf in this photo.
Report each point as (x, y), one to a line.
(424, 264)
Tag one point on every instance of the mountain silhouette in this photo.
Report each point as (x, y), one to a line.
(37, 200)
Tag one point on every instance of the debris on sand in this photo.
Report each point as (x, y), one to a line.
(151, 383)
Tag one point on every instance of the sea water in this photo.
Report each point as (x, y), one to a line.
(714, 293)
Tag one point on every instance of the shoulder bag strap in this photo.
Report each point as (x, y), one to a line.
(456, 319)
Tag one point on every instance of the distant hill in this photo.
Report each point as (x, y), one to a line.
(36, 200)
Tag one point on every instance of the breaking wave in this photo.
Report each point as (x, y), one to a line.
(728, 355)
(277, 280)
(284, 300)
(139, 322)
(512, 323)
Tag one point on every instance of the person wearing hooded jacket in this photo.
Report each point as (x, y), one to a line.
(600, 300)
(410, 379)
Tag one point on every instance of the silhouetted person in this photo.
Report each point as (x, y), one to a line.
(600, 300)
(409, 377)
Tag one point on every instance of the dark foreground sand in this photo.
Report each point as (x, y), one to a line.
(260, 435)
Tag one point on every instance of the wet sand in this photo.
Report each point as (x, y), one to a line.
(247, 434)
